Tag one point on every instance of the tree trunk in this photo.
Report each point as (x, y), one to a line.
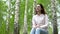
(53, 5)
(25, 19)
(34, 5)
(8, 16)
(16, 20)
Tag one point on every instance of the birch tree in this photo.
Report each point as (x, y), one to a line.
(16, 20)
(53, 5)
(8, 16)
(34, 5)
(25, 18)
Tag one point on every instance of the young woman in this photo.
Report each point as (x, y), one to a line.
(39, 21)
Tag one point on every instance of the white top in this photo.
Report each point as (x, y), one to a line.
(42, 20)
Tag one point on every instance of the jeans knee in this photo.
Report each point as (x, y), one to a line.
(32, 31)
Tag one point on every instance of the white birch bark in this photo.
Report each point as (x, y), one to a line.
(53, 6)
(34, 5)
(8, 16)
(16, 20)
(25, 19)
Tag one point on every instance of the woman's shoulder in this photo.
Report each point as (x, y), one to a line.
(46, 15)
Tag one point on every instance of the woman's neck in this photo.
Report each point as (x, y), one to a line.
(38, 14)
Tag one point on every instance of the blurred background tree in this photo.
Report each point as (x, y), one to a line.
(26, 11)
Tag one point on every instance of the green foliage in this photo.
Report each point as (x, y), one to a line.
(4, 7)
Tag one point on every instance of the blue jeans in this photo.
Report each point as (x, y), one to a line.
(38, 31)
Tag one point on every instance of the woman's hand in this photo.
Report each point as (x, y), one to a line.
(35, 26)
(38, 26)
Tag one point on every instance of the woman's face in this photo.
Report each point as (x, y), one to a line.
(38, 9)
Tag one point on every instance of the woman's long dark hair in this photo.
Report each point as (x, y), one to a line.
(42, 11)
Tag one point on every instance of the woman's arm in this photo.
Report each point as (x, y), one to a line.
(46, 22)
(33, 22)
